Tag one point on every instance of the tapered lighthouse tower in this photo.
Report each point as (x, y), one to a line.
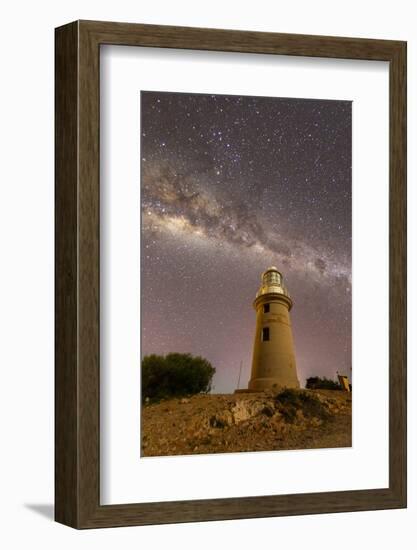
(273, 363)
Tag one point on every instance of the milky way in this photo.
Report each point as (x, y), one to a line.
(229, 186)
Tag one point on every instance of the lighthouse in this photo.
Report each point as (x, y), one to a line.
(273, 361)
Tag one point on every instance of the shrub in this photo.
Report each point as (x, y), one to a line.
(317, 383)
(290, 401)
(175, 375)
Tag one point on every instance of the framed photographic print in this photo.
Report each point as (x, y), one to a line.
(230, 274)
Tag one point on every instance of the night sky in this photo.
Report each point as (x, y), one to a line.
(231, 185)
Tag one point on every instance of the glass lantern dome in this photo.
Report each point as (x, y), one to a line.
(272, 283)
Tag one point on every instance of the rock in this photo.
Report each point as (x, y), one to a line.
(248, 408)
(221, 420)
(299, 415)
(184, 400)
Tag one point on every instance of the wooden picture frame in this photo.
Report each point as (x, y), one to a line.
(77, 374)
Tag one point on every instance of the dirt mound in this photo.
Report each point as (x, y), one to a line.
(290, 419)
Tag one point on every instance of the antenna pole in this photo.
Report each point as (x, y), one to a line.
(240, 372)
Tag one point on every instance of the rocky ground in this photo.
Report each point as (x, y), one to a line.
(291, 419)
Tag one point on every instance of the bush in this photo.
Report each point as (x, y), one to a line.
(290, 401)
(317, 383)
(175, 375)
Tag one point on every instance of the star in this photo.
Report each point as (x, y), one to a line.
(229, 186)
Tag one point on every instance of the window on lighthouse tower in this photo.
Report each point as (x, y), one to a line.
(265, 334)
(266, 308)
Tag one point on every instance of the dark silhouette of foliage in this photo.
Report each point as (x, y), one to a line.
(175, 375)
(317, 383)
(290, 401)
